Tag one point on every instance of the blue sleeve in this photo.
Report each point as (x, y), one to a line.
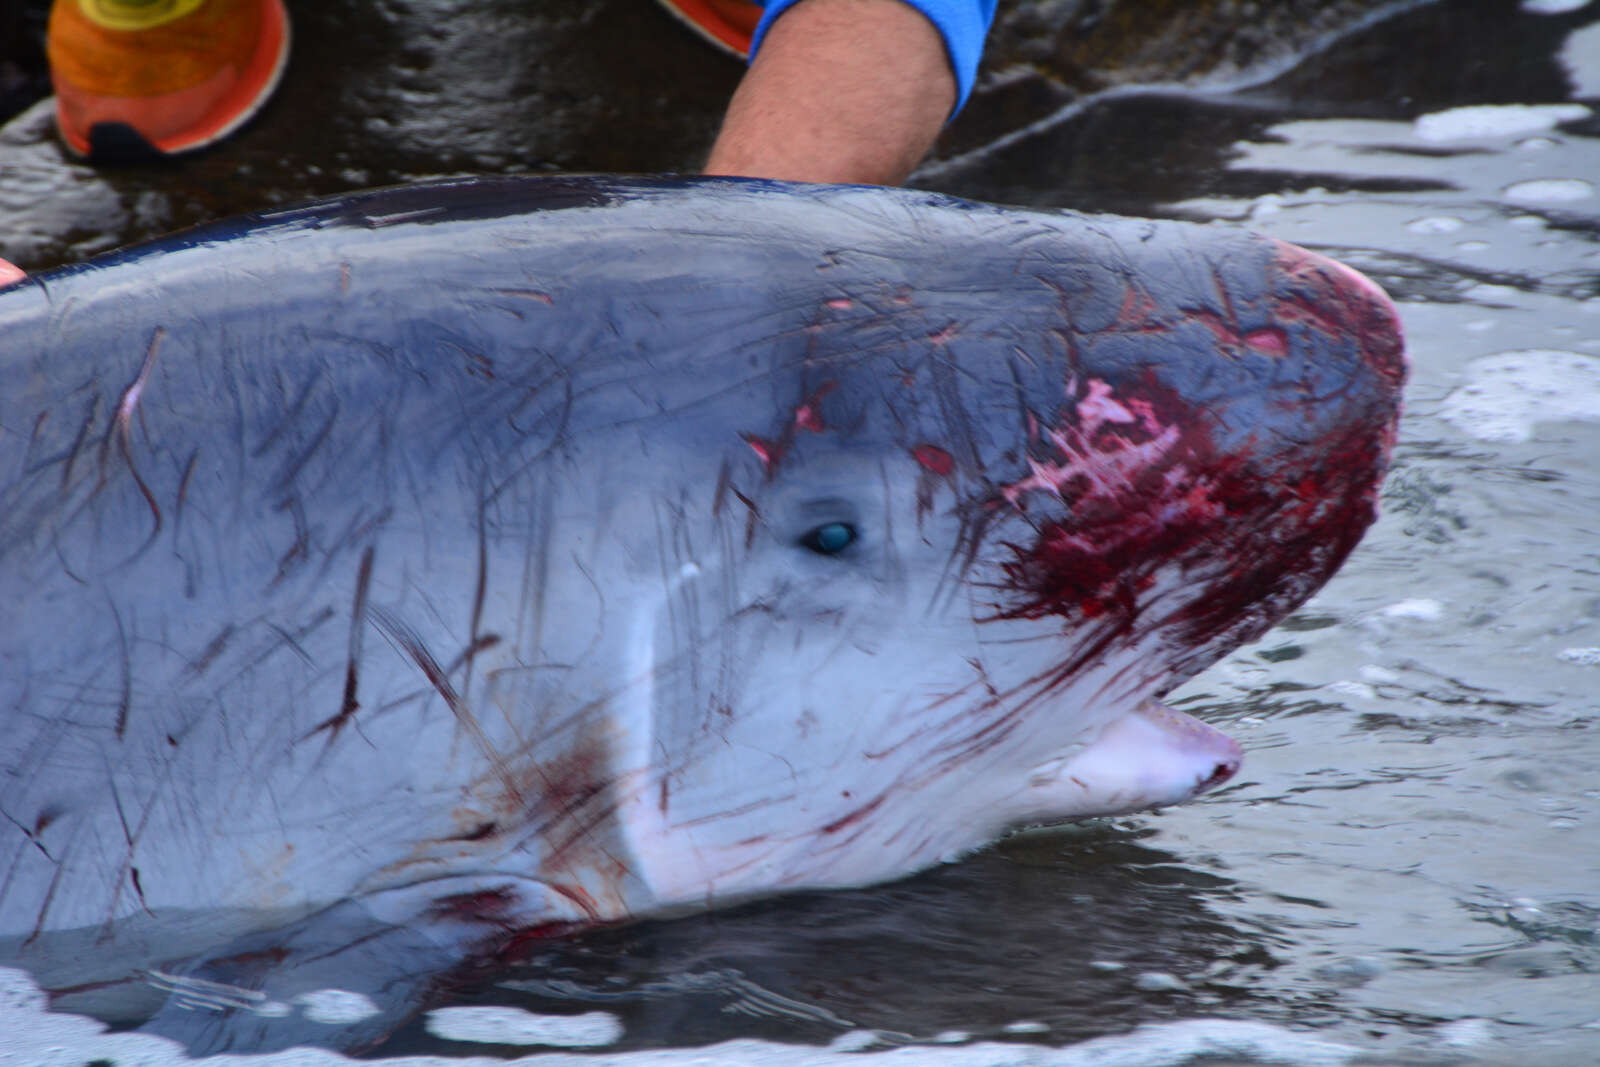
(962, 23)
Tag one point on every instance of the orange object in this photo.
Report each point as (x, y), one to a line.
(728, 24)
(168, 76)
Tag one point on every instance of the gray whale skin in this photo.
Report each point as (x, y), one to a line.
(398, 580)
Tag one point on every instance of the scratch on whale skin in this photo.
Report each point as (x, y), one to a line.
(1138, 313)
(1330, 297)
(121, 431)
(1145, 487)
(1092, 463)
(934, 460)
(135, 391)
(807, 416)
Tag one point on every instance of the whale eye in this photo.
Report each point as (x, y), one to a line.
(830, 538)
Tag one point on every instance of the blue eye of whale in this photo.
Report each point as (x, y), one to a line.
(830, 538)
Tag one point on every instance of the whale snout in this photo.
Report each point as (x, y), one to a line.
(1150, 757)
(1343, 304)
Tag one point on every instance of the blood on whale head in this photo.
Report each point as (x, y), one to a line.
(1023, 590)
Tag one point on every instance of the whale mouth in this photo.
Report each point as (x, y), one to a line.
(1151, 757)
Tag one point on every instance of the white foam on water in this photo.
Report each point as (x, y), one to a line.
(336, 1006)
(855, 1041)
(1160, 982)
(18, 994)
(1547, 190)
(1552, 7)
(1580, 55)
(1464, 1033)
(1026, 1026)
(32, 1036)
(489, 1025)
(1494, 120)
(1583, 657)
(1490, 295)
(1508, 393)
(1419, 608)
(1435, 224)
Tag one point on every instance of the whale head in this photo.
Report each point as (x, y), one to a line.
(948, 550)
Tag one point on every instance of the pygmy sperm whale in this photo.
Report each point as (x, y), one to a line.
(399, 579)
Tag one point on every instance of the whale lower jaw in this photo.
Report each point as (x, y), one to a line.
(1150, 757)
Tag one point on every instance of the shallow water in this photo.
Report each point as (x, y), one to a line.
(1408, 868)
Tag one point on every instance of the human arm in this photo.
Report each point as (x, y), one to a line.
(840, 91)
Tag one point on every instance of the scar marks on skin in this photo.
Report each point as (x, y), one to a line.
(1138, 313)
(121, 431)
(411, 645)
(537, 295)
(769, 452)
(292, 467)
(936, 465)
(855, 816)
(208, 655)
(807, 416)
(752, 512)
(135, 390)
(125, 694)
(358, 624)
(128, 872)
(70, 463)
(934, 460)
(1232, 337)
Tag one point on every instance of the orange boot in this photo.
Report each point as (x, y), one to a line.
(137, 78)
(728, 24)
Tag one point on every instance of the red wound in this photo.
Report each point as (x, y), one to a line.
(934, 459)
